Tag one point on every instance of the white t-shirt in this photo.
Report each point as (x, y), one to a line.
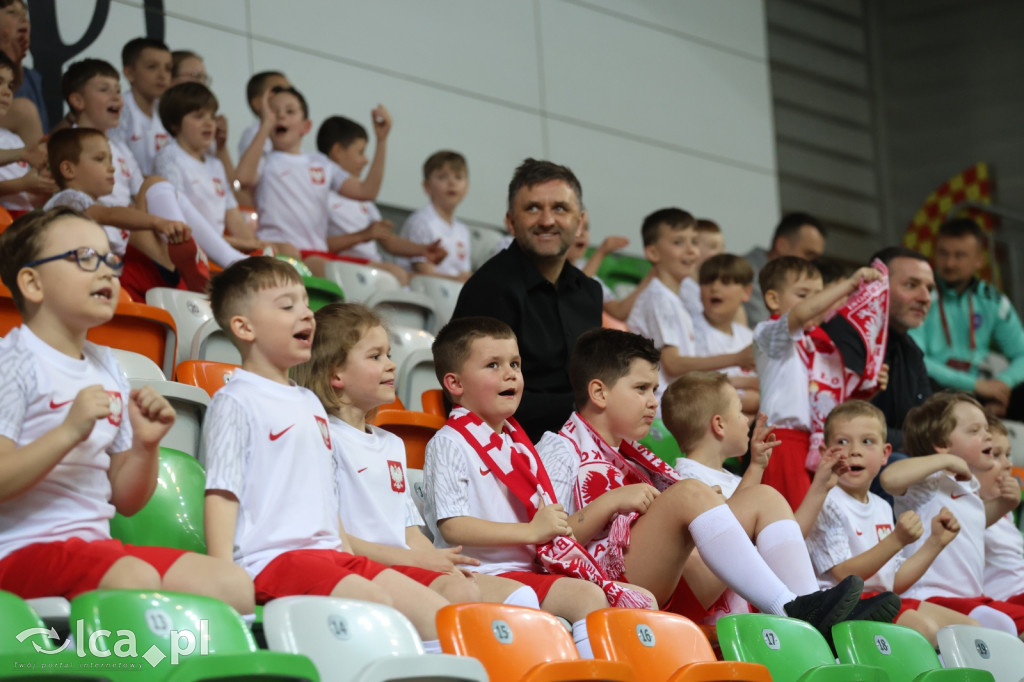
(726, 480)
(80, 201)
(847, 527)
(425, 226)
(711, 341)
(1004, 559)
(246, 139)
(689, 291)
(270, 446)
(347, 216)
(456, 483)
(659, 314)
(20, 201)
(292, 198)
(143, 135)
(959, 570)
(38, 384)
(204, 182)
(783, 375)
(376, 502)
(127, 174)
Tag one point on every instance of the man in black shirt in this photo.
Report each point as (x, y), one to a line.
(531, 287)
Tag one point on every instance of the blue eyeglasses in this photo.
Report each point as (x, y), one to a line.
(86, 257)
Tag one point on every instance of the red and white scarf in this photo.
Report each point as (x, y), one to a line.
(830, 381)
(603, 468)
(514, 462)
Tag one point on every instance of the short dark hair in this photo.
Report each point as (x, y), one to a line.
(77, 74)
(891, 253)
(452, 346)
(533, 172)
(182, 99)
(673, 218)
(338, 130)
(66, 145)
(440, 159)
(831, 269)
(22, 242)
(929, 424)
(728, 267)
(962, 227)
(851, 409)
(231, 289)
(606, 355)
(775, 272)
(132, 50)
(706, 225)
(277, 90)
(256, 84)
(790, 225)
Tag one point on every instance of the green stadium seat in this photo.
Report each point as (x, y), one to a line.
(901, 652)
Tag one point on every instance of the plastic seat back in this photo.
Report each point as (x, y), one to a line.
(662, 443)
(415, 376)
(970, 646)
(403, 308)
(181, 636)
(189, 310)
(321, 292)
(18, 617)
(518, 643)
(482, 243)
(355, 640)
(137, 366)
(173, 517)
(142, 329)
(661, 645)
(206, 374)
(791, 649)
(443, 292)
(433, 402)
(902, 652)
(211, 343)
(5, 219)
(358, 281)
(414, 428)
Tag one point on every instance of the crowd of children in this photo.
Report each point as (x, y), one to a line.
(304, 496)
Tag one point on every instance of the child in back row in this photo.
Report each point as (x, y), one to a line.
(710, 243)
(356, 228)
(853, 529)
(948, 441)
(1004, 545)
(77, 444)
(22, 187)
(445, 180)
(637, 518)
(352, 373)
(670, 244)
(146, 63)
(271, 489)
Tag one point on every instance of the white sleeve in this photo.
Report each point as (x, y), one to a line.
(17, 385)
(562, 465)
(135, 171)
(917, 496)
(227, 435)
(71, 198)
(774, 339)
(165, 166)
(827, 543)
(208, 237)
(445, 479)
(416, 228)
(669, 325)
(412, 514)
(338, 175)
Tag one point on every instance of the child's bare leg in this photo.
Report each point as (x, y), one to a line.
(759, 506)
(152, 246)
(705, 585)
(928, 618)
(218, 578)
(400, 273)
(316, 264)
(357, 587)
(573, 599)
(130, 573)
(456, 588)
(923, 624)
(417, 603)
(498, 590)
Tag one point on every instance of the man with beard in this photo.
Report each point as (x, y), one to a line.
(530, 286)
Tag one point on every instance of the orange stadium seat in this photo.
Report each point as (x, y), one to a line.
(206, 374)
(5, 219)
(414, 428)
(9, 315)
(433, 402)
(142, 329)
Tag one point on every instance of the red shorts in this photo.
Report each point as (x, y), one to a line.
(786, 471)
(540, 582)
(684, 603)
(423, 576)
(905, 604)
(310, 571)
(70, 567)
(141, 274)
(1014, 607)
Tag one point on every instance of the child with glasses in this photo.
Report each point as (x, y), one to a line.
(76, 442)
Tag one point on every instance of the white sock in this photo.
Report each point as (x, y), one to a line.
(162, 200)
(524, 596)
(728, 552)
(991, 618)
(783, 548)
(582, 639)
(432, 646)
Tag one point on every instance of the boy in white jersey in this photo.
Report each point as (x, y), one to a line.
(93, 92)
(445, 180)
(853, 529)
(786, 349)
(271, 489)
(146, 63)
(356, 229)
(486, 490)
(255, 89)
(189, 113)
(638, 518)
(352, 373)
(293, 188)
(948, 441)
(709, 243)
(1004, 545)
(725, 285)
(76, 443)
(22, 187)
(670, 244)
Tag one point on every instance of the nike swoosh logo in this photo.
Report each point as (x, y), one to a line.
(275, 436)
(957, 497)
(57, 406)
(362, 470)
(484, 472)
(858, 532)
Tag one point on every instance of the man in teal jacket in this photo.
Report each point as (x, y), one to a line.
(968, 319)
